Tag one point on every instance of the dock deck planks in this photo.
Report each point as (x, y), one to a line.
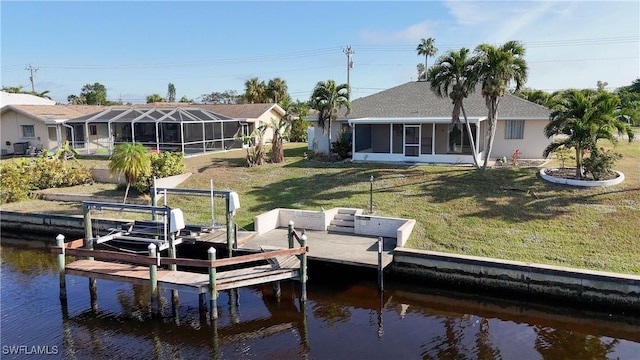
(181, 280)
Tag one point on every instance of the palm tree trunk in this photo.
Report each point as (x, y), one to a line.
(578, 163)
(493, 114)
(473, 143)
(126, 192)
(329, 137)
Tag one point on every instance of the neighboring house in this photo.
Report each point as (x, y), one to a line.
(28, 127)
(91, 129)
(251, 116)
(23, 99)
(409, 123)
(188, 129)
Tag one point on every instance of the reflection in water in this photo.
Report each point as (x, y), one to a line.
(559, 344)
(350, 319)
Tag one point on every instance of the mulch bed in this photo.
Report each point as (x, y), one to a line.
(570, 173)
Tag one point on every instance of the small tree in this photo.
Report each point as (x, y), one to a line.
(281, 130)
(255, 151)
(132, 160)
(583, 117)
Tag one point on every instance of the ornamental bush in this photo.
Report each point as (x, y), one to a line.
(342, 146)
(162, 165)
(600, 163)
(21, 177)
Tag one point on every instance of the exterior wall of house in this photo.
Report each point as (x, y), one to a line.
(321, 139)
(11, 131)
(98, 141)
(266, 120)
(531, 146)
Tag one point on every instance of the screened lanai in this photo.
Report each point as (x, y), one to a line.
(189, 130)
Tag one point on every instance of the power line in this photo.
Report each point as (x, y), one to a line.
(32, 78)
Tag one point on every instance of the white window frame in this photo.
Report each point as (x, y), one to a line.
(514, 129)
(25, 134)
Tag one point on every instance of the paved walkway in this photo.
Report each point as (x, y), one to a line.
(332, 247)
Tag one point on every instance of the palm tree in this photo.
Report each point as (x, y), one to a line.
(277, 89)
(427, 49)
(327, 98)
(43, 94)
(496, 68)
(281, 130)
(583, 117)
(66, 151)
(14, 89)
(255, 91)
(453, 76)
(133, 160)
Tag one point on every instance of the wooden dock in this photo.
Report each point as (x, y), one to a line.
(271, 265)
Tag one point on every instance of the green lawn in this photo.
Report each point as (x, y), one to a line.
(457, 209)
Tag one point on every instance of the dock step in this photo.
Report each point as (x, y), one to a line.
(341, 229)
(347, 211)
(343, 222)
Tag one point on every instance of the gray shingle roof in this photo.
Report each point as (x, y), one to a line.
(416, 100)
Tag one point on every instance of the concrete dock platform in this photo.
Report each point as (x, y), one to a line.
(346, 249)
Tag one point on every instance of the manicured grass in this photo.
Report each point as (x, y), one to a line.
(507, 213)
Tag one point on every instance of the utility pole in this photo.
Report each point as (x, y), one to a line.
(349, 53)
(33, 71)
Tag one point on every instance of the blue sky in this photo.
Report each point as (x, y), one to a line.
(136, 48)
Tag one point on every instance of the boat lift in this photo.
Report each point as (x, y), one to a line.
(163, 233)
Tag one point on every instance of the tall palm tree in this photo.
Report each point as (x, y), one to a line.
(277, 89)
(427, 48)
(583, 117)
(327, 98)
(453, 76)
(133, 160)
(496, 68)
(255, 91)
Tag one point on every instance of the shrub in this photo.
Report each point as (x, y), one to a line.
(20, 178)
(163, 165)
(563, 154)
(299, 130)
(342, 146)
(600, 163)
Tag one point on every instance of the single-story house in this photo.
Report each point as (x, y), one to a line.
(190, 130)
(24, 128)
(409, 123)
(251, 116)
(23, 99)
(91, 129)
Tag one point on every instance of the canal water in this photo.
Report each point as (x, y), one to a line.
(342, 319)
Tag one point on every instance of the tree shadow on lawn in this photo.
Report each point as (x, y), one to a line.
(316, 190)
(514, 195)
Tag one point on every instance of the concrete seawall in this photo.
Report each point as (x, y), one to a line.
(38, 226)
(594, 288)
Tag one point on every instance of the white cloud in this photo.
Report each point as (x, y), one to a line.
(412, 33)
(569, 44)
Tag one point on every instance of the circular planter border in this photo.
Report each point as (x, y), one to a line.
(585, 183)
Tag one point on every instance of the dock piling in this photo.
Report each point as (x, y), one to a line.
(380, 269)
(153, 278)
(213, 292)
(61, 270)
(303, 269)
(290, 234)
(229, 220)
